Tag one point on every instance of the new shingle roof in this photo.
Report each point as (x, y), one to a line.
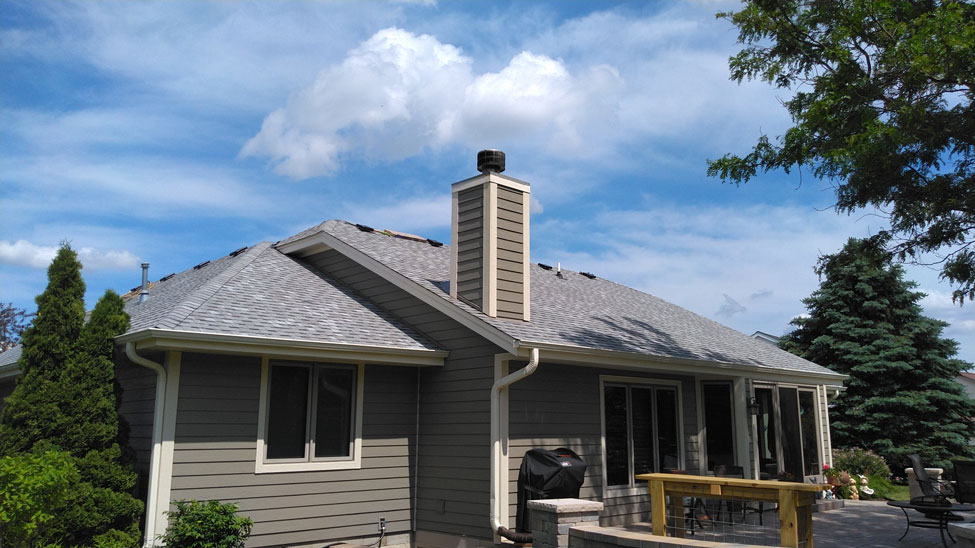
(264, 293)
(579, 312)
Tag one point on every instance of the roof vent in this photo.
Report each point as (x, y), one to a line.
(364, 228)
(201, 265)
(167, 277)
(588, 275)
(238, 251)
(434, 243)
(144, 294)
(545, 266)
(490, 161)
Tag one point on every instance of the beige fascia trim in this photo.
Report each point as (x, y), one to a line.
(166, 339)
(490, 177)
(492, 334)
(643, 362)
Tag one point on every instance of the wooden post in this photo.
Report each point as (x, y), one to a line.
(788, 528)
(658, 507)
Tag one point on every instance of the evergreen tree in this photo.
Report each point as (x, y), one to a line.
(67, 397)
(901, 398)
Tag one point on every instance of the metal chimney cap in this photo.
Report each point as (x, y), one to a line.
(490, 160)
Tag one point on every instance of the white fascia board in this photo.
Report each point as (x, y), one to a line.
(9, 371)
(491, 333)
(166, 339)
(645, 362)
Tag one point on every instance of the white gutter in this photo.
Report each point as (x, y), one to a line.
(156, 460)
(496, 488)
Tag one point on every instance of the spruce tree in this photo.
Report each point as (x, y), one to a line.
(901, 396)
(67, 397)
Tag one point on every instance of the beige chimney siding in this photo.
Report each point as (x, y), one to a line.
(489, 268)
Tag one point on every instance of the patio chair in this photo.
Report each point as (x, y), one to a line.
(933, 492)
(732, 507)
(964, 481)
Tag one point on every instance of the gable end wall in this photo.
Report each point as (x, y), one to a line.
(454, 456)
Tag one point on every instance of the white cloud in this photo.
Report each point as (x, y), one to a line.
(411, 215)
(24, 253)
(399, 93)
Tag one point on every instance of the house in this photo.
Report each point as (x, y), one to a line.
(347, 375)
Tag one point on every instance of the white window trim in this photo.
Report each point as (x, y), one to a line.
(628, 491)
(261, 466)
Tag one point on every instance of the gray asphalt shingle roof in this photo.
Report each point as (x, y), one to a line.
(264, 293)
(576, 311)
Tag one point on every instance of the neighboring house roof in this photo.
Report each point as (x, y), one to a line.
(11, 356)
(765, 337)
(576, 311)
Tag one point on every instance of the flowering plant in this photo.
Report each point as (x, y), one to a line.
(830, 473)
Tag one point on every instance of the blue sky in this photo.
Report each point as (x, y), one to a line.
(176, 132)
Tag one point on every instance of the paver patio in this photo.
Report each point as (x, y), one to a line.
(871, 524)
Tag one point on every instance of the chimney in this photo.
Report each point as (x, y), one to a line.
(144, 294)
(489, 267)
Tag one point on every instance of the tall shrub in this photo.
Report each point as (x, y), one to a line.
(66, 396)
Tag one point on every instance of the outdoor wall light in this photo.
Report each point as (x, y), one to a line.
(753, 406)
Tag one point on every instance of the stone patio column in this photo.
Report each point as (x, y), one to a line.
(552, 519)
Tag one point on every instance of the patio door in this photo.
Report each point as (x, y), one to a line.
(787, 431)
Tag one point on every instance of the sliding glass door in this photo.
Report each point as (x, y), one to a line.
(787, 432)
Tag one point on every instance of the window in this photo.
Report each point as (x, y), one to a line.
(311, 416)
(719, 420)
(642, 430)
(788, 431)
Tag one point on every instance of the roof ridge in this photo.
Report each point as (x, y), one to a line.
(205, 292)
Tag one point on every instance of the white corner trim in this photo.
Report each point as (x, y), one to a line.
(163, 496)
(526, 257)
(262, 467)
(454, 235)
(489, 251)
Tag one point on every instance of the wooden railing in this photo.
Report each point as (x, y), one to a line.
(795, 501)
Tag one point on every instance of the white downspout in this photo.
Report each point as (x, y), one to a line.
(496, 435)
(155, 460)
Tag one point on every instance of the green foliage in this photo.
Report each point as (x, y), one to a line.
(883, 110)
(206, 525)
(858, 461)
(66, 397)
(882, 487)
(34, 489)
(901, 397)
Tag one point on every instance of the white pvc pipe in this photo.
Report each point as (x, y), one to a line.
(496, 434)
(155, 460)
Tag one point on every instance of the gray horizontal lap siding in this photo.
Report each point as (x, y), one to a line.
(559, 406)
(136, 407)
(453, 466)
(215, 451)
(470, 238)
